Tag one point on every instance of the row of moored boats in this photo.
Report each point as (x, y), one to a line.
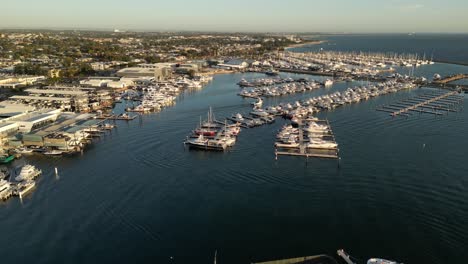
(22, 184)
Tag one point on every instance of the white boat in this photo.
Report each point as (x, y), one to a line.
(259, 112)
(207, 144)
(4, 187)
(53, 152)
(322, 144)
(287, 145)
(24, 150)
(28, 172)
(238, 118)
(328, 82)
(381, 261)
(25, 187)
(314, 127)
(258, 103)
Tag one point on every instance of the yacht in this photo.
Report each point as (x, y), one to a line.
(238, 118)
(314, 127)
(25, 187)
(322, 144)
(259, 112)
(328, 82)
(24, 150)
(381, 261)
(53, 152)
(28, 172)
(258, 103)
(4, 187)
(207, 144)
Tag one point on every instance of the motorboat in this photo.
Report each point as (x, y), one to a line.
(4, 186)
(25, 187)
(314, 127)
(28, 172)
(321, 144)
(54, 152)
(258, 103)
(206, 144)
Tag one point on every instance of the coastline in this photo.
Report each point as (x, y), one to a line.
(299, 45)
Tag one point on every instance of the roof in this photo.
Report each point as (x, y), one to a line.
(54, 91)
(39, 117)
(40, 98)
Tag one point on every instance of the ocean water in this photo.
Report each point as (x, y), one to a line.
(441, 47)
(137, 195)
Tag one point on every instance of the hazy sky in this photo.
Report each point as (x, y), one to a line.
(239, 15)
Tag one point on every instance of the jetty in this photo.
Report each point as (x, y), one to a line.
(436, 103)
(308, 144)
(452, 78)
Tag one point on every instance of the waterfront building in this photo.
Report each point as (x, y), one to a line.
(234, 64)
(14, 82)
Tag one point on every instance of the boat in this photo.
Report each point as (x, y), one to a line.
(381, 261)
(24, 150)
(259, 112)
(4, 187)
(258, 103)
(328, 82)
(6, 159)
(25, 187)
(206, 144)
(272, 72)
(238, 118)
(205, 132)
(314, 127)
(53, 152)
(28, 172)
(321, 144)
(347, 258)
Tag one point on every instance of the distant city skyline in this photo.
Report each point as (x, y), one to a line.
(361, 16)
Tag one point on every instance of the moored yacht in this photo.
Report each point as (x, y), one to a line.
(28, 172)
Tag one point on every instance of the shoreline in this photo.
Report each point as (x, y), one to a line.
(299, 45)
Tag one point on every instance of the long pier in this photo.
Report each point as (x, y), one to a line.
(431, 103)
(452, 78)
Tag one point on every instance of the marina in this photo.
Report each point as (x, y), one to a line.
(136, 180)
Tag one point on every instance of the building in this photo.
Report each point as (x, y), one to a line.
(7, 129)
(160, 71)
(234, 65)
(188, 68)
(14, 82)
(69, 99)
(135, 72)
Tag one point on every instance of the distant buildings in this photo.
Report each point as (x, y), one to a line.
(234, 64)
(160, 71)
(19, 81)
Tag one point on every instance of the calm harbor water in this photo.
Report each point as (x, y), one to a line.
(442, 47)
(137, 196)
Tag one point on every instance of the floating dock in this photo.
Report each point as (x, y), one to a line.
(436, 103)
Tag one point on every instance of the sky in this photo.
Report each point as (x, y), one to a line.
(352, 16)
